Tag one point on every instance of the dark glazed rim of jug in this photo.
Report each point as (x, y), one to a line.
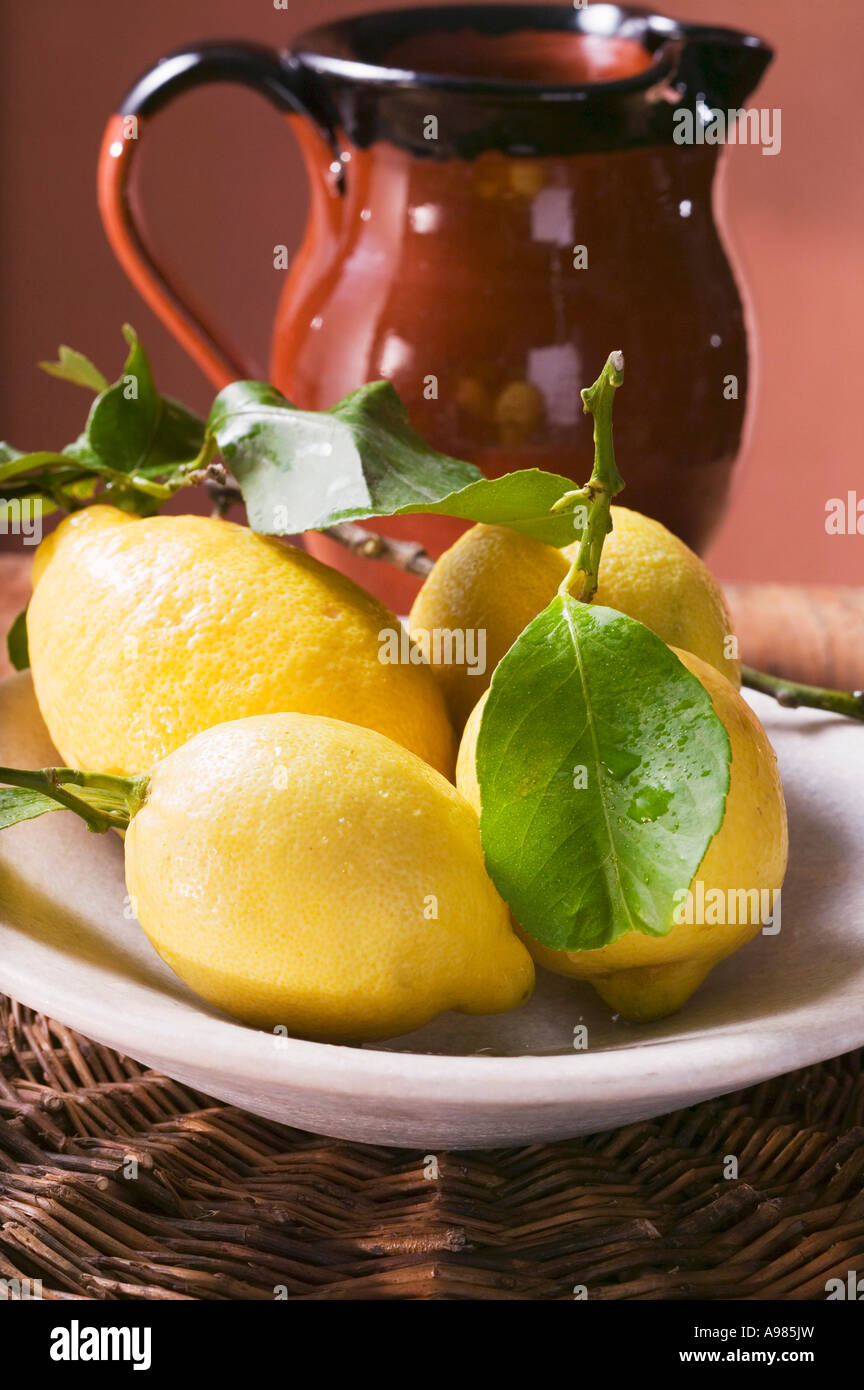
(346, 83)
(338, 77)
(355, 49)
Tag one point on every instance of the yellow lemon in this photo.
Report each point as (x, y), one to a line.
(651, 575)
(646, 977)
(484, 590)
(305, 873)
(493, 581)
(142, 633)
(89, 519)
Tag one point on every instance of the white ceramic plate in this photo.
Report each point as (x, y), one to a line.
(70, 947)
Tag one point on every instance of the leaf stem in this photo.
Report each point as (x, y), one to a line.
(792, 694)
(604, 484)
(105, 801)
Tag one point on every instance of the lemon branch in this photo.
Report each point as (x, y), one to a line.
(792, 694)
(102, 800)
(604, 484)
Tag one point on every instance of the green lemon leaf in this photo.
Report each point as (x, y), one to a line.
(16, 643)
(131, 428)
(17, 804)
(26, 499)
(8, 453)
(124, 418)
(603, 774)
(304, 470)
(14, 463)
(75, 367)
(137, 444)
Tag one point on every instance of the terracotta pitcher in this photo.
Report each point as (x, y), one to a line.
(498, 198)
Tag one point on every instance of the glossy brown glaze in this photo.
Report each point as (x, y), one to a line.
(489, 265)
(463, 272)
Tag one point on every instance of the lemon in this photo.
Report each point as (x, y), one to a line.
(89, 519)
(492, 581)
(651, 575)
(143, 633)
(646, 977)
(495, 580)
(306, 874)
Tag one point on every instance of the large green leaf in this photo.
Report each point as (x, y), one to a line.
(603, 774)
(303, 470)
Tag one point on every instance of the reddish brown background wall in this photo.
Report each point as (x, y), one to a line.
(225, 184)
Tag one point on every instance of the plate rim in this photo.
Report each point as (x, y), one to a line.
(478, 1081)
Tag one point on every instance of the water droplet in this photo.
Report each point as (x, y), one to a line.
(619, 763)
(649, 804)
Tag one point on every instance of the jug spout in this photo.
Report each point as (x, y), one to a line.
(722, 67)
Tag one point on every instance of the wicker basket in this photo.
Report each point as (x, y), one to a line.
(118, 1183)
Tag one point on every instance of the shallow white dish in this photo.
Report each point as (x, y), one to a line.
(70, 947)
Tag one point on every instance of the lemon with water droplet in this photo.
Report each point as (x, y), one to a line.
(646, 977)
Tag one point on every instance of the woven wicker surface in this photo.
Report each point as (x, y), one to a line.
(228, 1206)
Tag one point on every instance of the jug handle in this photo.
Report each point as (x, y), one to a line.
(279, 79)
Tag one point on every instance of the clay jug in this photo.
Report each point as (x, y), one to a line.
(500, 194)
